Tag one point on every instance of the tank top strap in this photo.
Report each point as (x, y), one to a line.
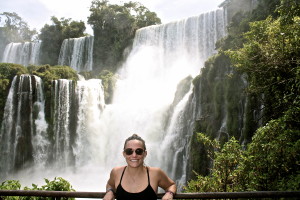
(122, 174)
(148, 175)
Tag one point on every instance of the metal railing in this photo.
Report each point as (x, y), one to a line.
(204, 195)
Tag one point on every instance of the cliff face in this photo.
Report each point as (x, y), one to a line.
(222, 109)
(234, 6)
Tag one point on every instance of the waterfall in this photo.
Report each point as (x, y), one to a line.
(76, 112)
(192, 39)
(61, 121)
(162, 56)
(90, 98)
(87, 136)
(35, 53)
(18, 131)
(40, 140)
(22, 53)
(77, 53)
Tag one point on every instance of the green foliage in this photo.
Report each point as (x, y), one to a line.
(7, 72)
(108, 82)
(53, 36)
(239, 24)
(223, 176)
(114, 29)
(221, 97)
(58, 184)
(10, 185)
(14, 29)
(267, 53)
(287, 10)
(270, 162)
(210, 145)
(48, 74)
(273, 157)
(264, 9)
(270, 60)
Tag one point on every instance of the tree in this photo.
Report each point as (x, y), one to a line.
(272, 159)
(57, 184)
(53, 36)
(114, 29)
(269, 163)
(270, 58)
(223, 176)
(14, 29)
(7, 72)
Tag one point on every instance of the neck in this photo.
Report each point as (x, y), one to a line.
(135, 170)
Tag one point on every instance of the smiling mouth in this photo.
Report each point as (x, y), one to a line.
(133, 160)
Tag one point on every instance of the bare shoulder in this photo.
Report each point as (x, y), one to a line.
(156, 171)
(115, 175)
(117, 170)
(160, 178)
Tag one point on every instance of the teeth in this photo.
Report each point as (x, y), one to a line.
(134, 160)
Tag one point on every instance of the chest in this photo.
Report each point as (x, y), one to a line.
(134, 184)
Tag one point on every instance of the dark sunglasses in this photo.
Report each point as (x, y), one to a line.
(138, 151)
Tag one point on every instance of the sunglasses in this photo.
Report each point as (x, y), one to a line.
(138, 151)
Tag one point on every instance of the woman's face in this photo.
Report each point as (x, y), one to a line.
(135, 160)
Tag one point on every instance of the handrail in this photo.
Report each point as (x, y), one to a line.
(204, 195)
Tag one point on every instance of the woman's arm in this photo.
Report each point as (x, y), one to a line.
(110, 187)
(167, 184)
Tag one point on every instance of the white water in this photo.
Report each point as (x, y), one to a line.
(77, 53)
(161, 57)
(22, 53)
(40, 142)
(18, 117)
(61, 117)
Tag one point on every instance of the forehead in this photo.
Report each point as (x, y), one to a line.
(134, 144)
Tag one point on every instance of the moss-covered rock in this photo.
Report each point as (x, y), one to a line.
(225, 109)
(108, 81)
(7, 72)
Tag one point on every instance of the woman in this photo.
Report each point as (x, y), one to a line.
(137, 181)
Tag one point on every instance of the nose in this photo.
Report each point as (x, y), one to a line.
(134, 154)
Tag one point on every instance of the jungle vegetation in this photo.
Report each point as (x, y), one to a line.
(262, 45)
(114, 29)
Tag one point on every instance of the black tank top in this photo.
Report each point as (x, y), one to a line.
(146, 194)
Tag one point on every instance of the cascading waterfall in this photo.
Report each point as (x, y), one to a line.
(22, 53)
(40, 142)
(77, 53)
(88, 136)
(19, 138)
(74, 136)
(35, 53)
(76, 114)
(187, 42)
(61, 120)
(192, 39)
(90, 98)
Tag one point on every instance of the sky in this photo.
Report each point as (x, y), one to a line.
(38, 12)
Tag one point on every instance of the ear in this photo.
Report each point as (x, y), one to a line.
(124, 155)
(145, 154)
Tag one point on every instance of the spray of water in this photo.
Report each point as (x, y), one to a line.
(162, 56)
